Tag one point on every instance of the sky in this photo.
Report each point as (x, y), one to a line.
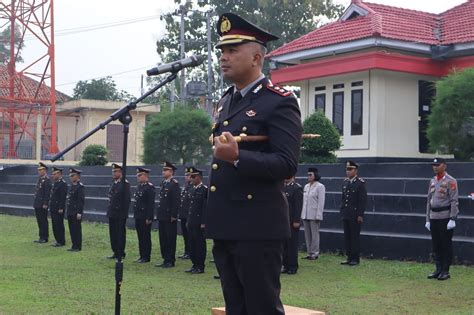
(122, 42)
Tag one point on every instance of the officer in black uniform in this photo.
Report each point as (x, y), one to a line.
(75, 209)
(183, 211)
(247, 212)
(143, 213)
(354, 202)
(294, 195)
(197, 241)
(117, 212)
(41, 201)
(57, 205)
(167, 215)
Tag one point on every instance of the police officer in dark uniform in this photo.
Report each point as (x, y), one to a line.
(247, 212)
(143, 213)
(183, 211)
(294, 195)
(75, 209)
(167, 215)
(354, 202)
(57, 205)
(117, 212)
(197, 240)
(41, 202)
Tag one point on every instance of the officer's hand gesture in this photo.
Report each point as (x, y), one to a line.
(296, 225)
(226, 148)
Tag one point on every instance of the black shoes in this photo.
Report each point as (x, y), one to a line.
(74, 250)
(353, 263)
(165, 265)
(142, 260)
(292, 272)
(40, 241)
(197, 271)
(185, 256)
(312, 257)
(345, 262)
(434, 275)
(57, 244)
(444, 276)
(217, 277)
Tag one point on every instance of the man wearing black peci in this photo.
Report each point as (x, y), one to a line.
(41, 202)
(247, 212)
(143, 210)
(167, 215)
(117, 212)
(57, 205)
(354, 202)
(75, 208)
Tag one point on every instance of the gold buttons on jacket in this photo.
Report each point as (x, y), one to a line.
(213, 188)
(225, 123)
(249, 197)
(215, 166)
(244, 129)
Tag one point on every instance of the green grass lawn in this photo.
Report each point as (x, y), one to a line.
(40, 279)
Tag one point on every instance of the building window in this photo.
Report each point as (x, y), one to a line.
(356, 112)
(320, 88)
(320, 102)
(338, 86)
(358, 83)
(338, 111)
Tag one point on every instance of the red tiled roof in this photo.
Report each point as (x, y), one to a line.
(453, 26)
(26, 88)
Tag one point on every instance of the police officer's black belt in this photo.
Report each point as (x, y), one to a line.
(441, 209)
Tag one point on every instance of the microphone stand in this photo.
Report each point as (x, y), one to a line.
(124, 116)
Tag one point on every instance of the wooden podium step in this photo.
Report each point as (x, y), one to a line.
(289, 310)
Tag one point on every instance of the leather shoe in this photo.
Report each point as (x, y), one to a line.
(434, 275)
(57, 245)
(167, 265)
(73, 250)
(138, 260)
(306, 257)
(292, 272)
(345, 262)
(144, 261)
(111, 257)
(197, 271)
(217, 277)
(184, 256)
(313, 257)
(41, 241)
(160, 265)
(190, 270)
(353, 263)
(444, 276)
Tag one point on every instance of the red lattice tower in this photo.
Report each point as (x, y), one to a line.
(27, 90)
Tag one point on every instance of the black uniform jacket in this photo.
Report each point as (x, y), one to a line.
(197, 205)
(354, 198)
(75, 199)
(144, 205)
(42, 192)
(246, 202)
(185, 199)
(294, 195)
(58, 195)
(119, 199)
(170, 200)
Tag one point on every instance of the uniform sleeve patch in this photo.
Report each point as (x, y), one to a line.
(453, 186)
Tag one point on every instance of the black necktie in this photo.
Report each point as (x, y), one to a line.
(235, 100)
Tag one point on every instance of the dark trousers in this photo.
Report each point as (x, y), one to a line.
(197, 246)
(144, 238)
(42, 220)
(118, 236)
(185, 232)
(290, 250)
(75, 230)
(442, 244)
(352, 239)
(250, 276)
(57, 221)
(167, 232)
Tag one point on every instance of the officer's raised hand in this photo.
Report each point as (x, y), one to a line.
(226, 148)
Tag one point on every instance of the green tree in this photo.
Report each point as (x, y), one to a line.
(5, 36)
(100, 89)
(451, 122)
(94, 154)
(320, 150)
(180, 136)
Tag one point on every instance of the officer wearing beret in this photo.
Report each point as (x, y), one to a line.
(441, 213)
(57, 204)
(184, 209)
(117, 212)
(246, 179)
(75, 209)
(143, 209)
(196, 225)
(294, 195)
(167, 214)
(41, 202)
(354, 202)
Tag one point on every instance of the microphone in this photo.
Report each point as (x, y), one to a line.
(176, 66)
